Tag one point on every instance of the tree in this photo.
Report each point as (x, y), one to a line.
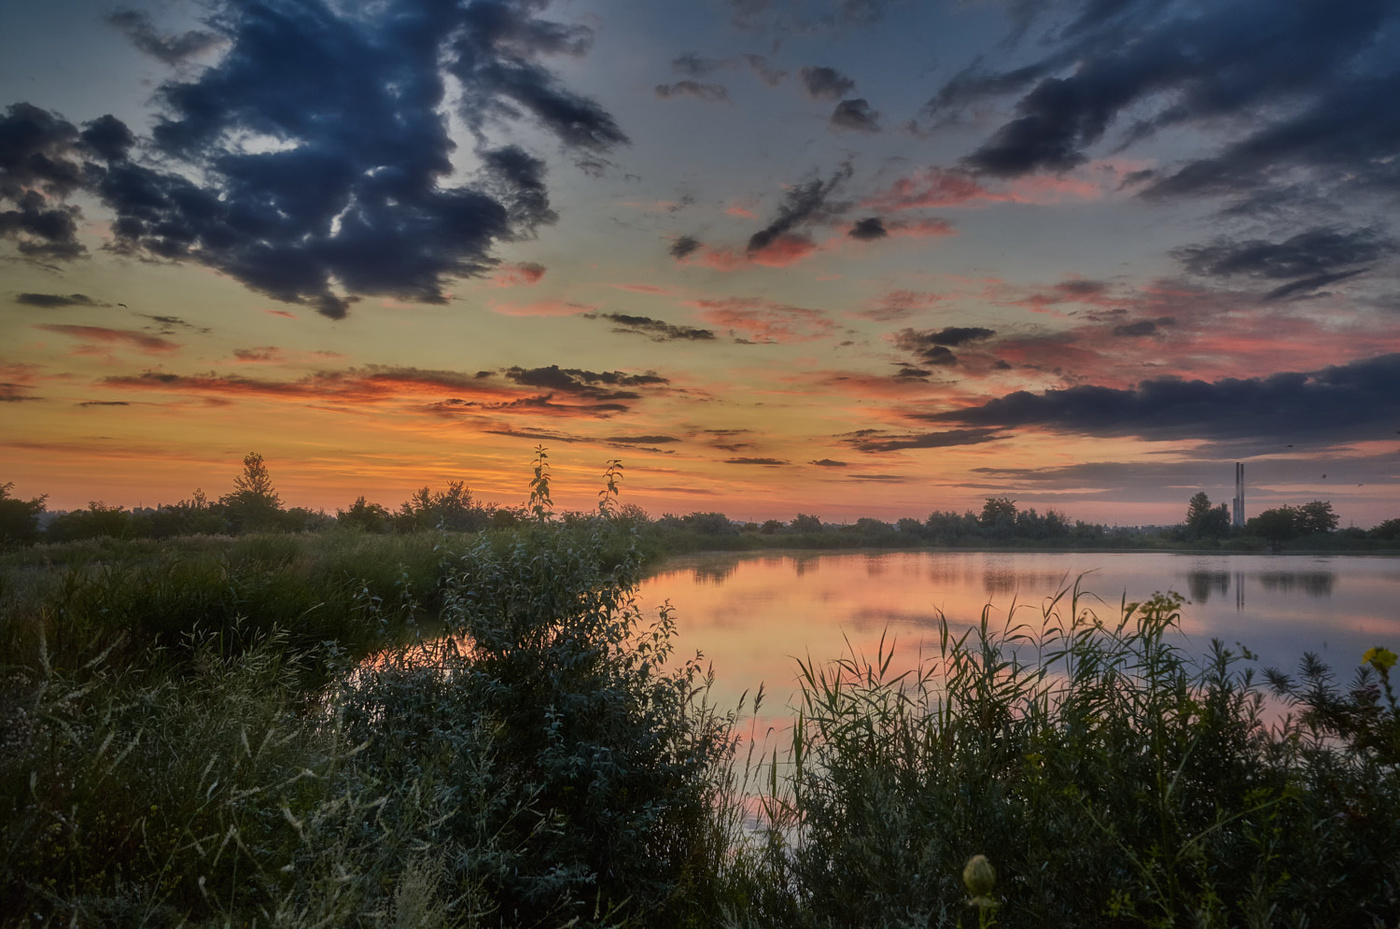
(1204, 521)
(19, 519)
(998, 511)
(363, 515)
(806, 522)
(1274, 526)
(254, 505)
(1316, 518)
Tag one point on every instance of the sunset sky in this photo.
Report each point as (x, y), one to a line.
(843, 257)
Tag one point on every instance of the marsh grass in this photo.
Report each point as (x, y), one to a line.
(1111, 778)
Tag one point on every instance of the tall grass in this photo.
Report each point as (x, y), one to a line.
(1111, 779)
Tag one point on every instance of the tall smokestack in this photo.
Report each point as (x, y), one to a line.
(1238, 510)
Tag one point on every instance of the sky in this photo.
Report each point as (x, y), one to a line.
(842, 257)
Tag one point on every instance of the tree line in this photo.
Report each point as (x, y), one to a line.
(254, 505)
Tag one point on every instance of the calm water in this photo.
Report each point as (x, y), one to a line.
(753, 615)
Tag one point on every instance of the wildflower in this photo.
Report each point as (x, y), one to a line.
(1382, 659)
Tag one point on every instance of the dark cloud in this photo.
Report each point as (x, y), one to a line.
(86, 403)
(684, 246)
(710, 93)
(766, 73)
(169, 325)
(1145, 65)
(321, 149)
(1140, 328)
(949, 439)
(11, 393)
(692, 65)
(828, 463)
(931, 346)
(655, 329)
(594, 385)
(641, 439)
(804, 15)
(171, 49)
(825, 83)
(40, 164)
(801, 204)
(771, 462)
(868, 229)
(1309, 260)
(855, 114)
(1350, 401)
(56, 300)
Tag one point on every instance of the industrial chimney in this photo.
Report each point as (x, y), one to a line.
(1238, 510)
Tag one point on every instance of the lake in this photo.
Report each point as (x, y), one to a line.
(753, 615)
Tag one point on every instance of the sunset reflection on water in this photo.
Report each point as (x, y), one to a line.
(753, 616)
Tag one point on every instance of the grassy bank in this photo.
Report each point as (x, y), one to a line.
(248, 731)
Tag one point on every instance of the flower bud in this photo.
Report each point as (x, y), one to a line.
(979, 876)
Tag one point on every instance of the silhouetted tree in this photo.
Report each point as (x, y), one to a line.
(1204, 521)
(365, 516)
(19, 519)
(97, 521)
(1274, 526)
(1316, 518)
(805, 522)
(253, 505)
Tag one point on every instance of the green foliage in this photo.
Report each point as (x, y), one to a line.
(805, 522)
(541, 505)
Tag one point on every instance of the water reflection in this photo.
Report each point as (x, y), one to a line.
(752, 616)
(1202, 584)
(1314, 584)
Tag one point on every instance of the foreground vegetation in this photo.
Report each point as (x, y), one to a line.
(267, 730)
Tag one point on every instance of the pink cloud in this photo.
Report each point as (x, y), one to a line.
(542, 308)
(764, 320)
(521, 274)
(897, 304)
(282, 313)
(737, 209)
(783, 251)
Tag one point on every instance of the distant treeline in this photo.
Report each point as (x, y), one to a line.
(255, 506)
